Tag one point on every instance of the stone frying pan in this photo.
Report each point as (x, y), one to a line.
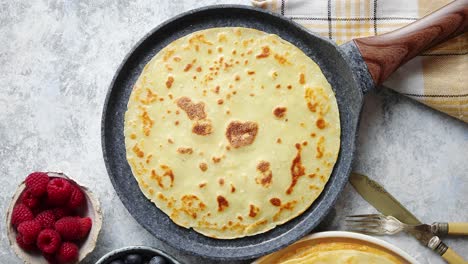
(352, 69)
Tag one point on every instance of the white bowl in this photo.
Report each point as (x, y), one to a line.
(93, 211)
(356, 236)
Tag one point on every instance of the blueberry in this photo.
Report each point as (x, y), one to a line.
(157, 260)
(133, 259)
(117, 261)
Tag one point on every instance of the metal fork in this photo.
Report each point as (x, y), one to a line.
(377, 224)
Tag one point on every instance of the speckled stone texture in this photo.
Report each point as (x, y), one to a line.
(57, 59)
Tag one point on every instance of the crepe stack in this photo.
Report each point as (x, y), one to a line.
(232, 131)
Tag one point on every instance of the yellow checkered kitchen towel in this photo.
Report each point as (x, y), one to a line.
(438, 78)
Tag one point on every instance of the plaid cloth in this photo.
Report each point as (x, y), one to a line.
(438, 78)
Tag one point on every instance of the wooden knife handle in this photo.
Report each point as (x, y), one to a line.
(452, 257)
(383, 54)
(458, 229)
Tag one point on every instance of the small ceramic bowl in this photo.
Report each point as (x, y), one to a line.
(93, 210)
(146, 252)
(354, 236)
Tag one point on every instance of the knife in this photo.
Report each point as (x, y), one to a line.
(385, 203)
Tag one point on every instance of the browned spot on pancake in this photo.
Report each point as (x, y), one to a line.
(177, 112)
(221, 181)
(313, 187)
(185, 150)
(240, 218)
(233, 188)
(266, 174)
(188, 67)
(265, 53)
(321, 123)
(241, 134)
(216, 90)
(193, 111)
(201, 185)
(216, 159)
(161, 99)
(147, 123)
(170, 96)
(250, 72)
(279, 111)
(228, 112)
(297, 169)
(320, 147)
(278, 86)
(253, 210)
(198, 69)
(237, 78)
(222, 203)
(281, 60)
(203, 166)
(177, 59)
(159, 178)
(176, 122)
(168, 54)
(278, 140)
(234, 52)
(312, 134)
(170, 141)
(274, 74)
(148, 159)
(287, 206)
(202, 127)
(252, 94)
(304, 143)
(133, 136)
(289, 87)
(301, 78)
(246, 62)
(169, 82)
(199, 38)
(151, 191)
(249, 52)
(150, 97)
(311, 175)
(228, 148)
(302, 124)
(275, 201)
(209, 51)
(197, 48)
(191, 205)
(220, 101)
(220, 49)
(138, 151)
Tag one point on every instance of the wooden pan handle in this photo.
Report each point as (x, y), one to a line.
(383, 54)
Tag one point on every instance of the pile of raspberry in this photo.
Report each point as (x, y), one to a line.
(46, 218)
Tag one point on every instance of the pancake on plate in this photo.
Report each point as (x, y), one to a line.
(232, 131)
(332, 251)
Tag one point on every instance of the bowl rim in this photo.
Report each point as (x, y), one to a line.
(93, 234)
(109, 254)
(357, 236)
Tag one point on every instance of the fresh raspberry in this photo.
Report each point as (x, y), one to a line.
(69, 228)
(20, 214)
(21, 244)
(85, 226)
(49, 241)
(29, 230)
(46, 219)
(61, 212)
(28, 199)
(58, 191)
(51, 259)
(77, 198)
(37, 182)
(68, 252)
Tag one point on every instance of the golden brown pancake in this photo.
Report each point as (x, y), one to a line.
(232, 131)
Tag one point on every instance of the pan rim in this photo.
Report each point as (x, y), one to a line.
(254, 250)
